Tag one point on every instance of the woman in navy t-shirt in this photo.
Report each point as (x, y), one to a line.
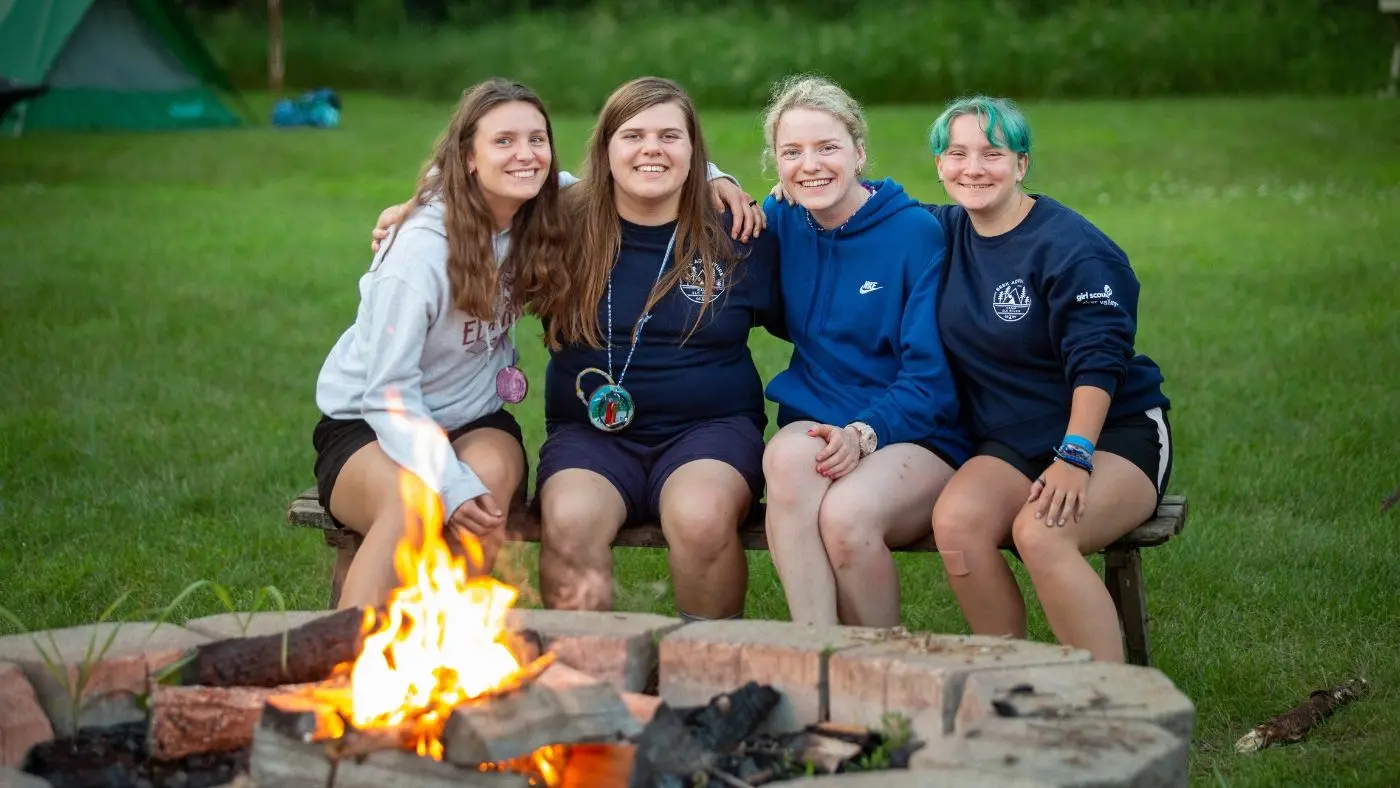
(1038, 314)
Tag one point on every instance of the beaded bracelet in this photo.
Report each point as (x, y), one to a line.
(1075, 455)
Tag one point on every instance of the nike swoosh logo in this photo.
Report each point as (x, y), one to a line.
(866, 288)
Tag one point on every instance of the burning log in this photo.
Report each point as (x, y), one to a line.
(1293, 724)
(287, 762)
(188, 720)
(516, 724)
(312, 652)
(560, 676)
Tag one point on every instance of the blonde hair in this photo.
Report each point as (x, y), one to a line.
(809, 91)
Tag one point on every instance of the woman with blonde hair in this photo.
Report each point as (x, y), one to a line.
(867, 407)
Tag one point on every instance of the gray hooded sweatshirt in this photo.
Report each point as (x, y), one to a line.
(410, 344)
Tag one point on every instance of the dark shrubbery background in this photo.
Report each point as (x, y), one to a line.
(884, 51)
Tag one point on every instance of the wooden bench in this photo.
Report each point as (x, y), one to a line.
(1122, 559)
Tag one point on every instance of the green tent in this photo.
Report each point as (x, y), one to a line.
(112, 64)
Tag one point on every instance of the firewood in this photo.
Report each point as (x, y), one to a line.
(188, 720)
(312, 652)
(561, 676)
(1293, 725)
(513, 725)
(825, 752)
(287, 762)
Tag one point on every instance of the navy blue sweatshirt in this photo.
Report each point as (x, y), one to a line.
(675, 385)
(1029, 315)
(859, 304)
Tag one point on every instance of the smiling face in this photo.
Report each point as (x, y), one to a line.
(510, 156)
(819, 163)
(982, 177)
(649, 155)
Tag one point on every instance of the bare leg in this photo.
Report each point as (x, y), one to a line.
(795, 492)
(498, 461)
(580, 514)
(702, 504)
(970, 521)
(1076, 602)
(366, 498)
(886, 501)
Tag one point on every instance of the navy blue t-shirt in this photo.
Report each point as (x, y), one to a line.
(675, 380)
(1029, 315)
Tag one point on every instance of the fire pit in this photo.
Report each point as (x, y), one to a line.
(447, 685)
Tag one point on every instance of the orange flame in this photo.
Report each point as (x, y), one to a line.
(442, 639)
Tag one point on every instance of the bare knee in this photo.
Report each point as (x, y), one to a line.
(573, 526)
(790, 464)
(702, 525)
(1035, 540)
(851, 527)
(963, 523)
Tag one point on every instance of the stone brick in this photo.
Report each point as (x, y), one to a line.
(909, 778)
(1070, 753)
(117, 677)
(702, 660)
(23, 722)
(14, 778)
(908, 673)
(268, 622)
(1094, 689)
(619, 648)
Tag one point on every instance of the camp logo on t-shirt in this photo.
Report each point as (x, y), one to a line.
(1012, 300)
(693, 283)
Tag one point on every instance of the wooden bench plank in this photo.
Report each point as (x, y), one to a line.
(1170, 520)
(1122, 560)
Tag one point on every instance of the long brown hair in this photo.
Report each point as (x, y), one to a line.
(569, 304)
(537, 237)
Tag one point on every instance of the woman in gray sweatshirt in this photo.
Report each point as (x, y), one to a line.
(419, 381)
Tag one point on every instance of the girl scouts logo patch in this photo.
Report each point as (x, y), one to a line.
(693, 283)
(1012, 300)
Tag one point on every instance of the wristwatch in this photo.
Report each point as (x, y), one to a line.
(868, 440)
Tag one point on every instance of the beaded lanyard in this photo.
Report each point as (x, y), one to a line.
(610, 406)
(511, 383)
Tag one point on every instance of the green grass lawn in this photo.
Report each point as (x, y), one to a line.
(168, 301)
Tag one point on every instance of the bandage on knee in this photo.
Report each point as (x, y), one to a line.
(955, 562)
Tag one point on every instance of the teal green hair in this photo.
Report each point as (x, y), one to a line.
(1006, 126)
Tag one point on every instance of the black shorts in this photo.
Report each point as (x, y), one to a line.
(1144, 439)
(336, 440)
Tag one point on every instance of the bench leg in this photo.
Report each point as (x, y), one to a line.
(346, 544)
(1122, 573)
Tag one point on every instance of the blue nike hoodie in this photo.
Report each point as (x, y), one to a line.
(860, 302)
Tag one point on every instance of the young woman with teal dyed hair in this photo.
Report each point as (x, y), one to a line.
(1038, 315)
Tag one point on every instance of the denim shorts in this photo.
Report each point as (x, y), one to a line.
(639, 471)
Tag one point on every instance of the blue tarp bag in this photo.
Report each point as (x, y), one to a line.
(319, 108)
